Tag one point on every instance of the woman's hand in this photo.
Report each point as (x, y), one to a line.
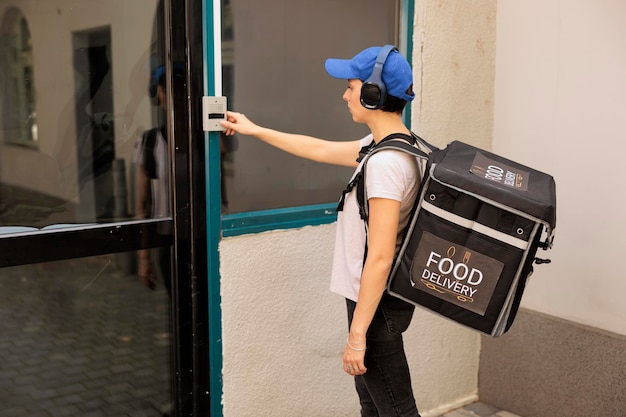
(354, 358)
(146, 271)
(238, 123)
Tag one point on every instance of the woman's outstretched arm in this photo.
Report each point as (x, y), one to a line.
(315, 149)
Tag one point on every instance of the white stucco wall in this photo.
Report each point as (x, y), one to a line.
(560, 107)
(283, 331)
(454, 67)
(284, 334)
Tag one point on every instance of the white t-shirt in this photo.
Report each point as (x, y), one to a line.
(159, 185)
(391, 174)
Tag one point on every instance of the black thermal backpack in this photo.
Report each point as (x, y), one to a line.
(473, 235)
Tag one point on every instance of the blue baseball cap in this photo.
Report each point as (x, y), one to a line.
(158, 74)
(397, 74)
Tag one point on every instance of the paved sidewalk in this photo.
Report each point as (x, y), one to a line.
(81, 339)
(479, 409)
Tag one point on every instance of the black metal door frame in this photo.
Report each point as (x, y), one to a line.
(183, 23)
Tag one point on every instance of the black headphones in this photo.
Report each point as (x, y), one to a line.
(373, 90)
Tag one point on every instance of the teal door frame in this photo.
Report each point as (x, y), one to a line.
(212, 73)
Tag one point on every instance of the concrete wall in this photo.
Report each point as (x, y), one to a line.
(454, 67)
(546, 366)
(283, 331)
(284, 334)
(560, 106)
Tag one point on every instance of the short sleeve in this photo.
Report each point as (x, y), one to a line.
(391, 174)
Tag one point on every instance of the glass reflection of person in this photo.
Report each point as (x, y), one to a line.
(151, 157)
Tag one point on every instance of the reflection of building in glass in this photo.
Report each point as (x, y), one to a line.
(74, 102)
(19, 121)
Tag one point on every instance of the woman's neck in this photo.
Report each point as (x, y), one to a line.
(384, 124)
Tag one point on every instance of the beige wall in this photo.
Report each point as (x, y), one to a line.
(283, 331)
(560, 107)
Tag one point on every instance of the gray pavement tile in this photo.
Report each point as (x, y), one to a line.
(71, 349)
(71, 388)
(66, 411)
(481, 409)
(18, 411)
(95, 413)
(459, 413)
(505, 414)
(42, 394)
(27, 379)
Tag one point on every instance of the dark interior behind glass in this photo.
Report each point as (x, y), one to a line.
(273, 58)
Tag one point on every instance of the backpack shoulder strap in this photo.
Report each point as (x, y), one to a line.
(409, 144)
(399, 142)
(148, 145)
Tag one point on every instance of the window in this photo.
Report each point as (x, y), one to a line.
(19, 116)
(273, 69)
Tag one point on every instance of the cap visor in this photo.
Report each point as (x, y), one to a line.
(340, 68)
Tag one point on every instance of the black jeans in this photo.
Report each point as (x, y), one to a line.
(385, 389)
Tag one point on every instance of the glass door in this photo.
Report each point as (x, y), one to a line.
(273, 71)
(267, 57)
(101, 209)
